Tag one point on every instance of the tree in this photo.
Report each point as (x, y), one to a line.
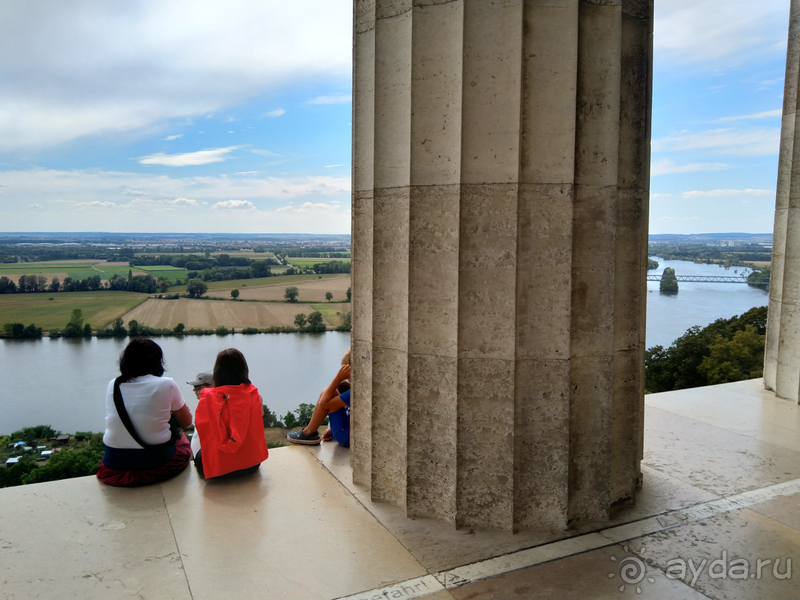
(196, 288)
(347, 324)
(669, 282)
(300, 320)
(179, 328)
(7, 286)
(289, 420)
(291, 293)
(678, 367)
(87, 330)
(118, 328)
(133, 328)
(55, 285)
(234, 294)
(348, 294)
(315, 322)
(328, 296)
(736, 359)
(75, 326)
(304, 413)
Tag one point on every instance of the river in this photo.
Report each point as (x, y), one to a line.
(668, 317)
(62, 382)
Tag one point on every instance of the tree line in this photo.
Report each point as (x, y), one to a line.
(726, 350)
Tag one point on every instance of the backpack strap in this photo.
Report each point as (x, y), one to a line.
(126, 420)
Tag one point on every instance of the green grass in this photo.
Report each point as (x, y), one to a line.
(329, 311)
(170, 272)
(310, 262)
(74, 269)
(99, 308)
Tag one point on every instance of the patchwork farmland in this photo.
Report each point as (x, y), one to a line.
(207, 314)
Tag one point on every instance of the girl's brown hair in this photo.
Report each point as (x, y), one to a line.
(230, 368)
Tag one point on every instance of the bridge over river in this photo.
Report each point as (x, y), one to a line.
(714, 279)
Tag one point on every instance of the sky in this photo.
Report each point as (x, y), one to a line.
(225, 117)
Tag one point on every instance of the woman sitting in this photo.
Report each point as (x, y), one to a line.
(144, 413)
(229, 428)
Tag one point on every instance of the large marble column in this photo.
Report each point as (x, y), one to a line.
(500, 187)
(782, 354)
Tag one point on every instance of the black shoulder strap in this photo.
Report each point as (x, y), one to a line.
(123, 415)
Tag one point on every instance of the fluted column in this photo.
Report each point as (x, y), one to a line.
(500, 159)
(782, 353)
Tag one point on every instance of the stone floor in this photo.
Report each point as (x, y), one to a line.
(721, 498)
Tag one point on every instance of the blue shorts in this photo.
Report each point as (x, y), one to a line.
(339, 422)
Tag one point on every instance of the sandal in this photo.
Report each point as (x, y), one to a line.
(298, 437)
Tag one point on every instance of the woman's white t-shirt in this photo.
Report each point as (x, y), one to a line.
(150, 401)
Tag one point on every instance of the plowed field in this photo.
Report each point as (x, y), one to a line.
(312, 291)
(205, 314)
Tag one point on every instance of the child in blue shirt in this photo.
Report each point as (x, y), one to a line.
(332, 405)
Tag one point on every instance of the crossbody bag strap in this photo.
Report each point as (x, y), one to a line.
(123, 415)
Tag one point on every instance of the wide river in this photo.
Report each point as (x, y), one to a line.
(62, 382)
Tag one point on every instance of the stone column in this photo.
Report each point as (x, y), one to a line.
(782, 354)
(500, 184)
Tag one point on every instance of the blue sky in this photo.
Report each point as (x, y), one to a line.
(210, 116)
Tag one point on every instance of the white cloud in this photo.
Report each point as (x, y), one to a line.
(331, 166)
(753, 141)
(665, 166)
(767, 114)
(85, 69)
(719, 33)
(276, 113)
(36, 206)
(247, 173)
(97, 204)
(334, 99)
(202, 157)
(169, 138)
(235, 205)
(726, 193)
(184, 202)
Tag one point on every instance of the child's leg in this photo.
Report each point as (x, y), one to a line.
(321, 411)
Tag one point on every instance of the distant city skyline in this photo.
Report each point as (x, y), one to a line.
(203, 116)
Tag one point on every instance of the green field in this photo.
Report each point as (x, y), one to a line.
(253, 255)
(171, 273)
(310, 262)
(75, 269)
(334, 313)
(50, 311)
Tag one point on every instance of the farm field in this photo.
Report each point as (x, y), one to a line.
(77, 269)
(170, 272)
(99, 308)
(302, 261)
(333, 313)
(245, 253)
(311, 288)
(210, 314)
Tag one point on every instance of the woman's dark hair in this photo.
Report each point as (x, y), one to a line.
(230, 368)
(141, 357)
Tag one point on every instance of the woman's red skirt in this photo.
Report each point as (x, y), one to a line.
(136, 477)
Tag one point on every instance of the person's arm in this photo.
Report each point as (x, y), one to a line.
(183, 416)
(330, 391)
